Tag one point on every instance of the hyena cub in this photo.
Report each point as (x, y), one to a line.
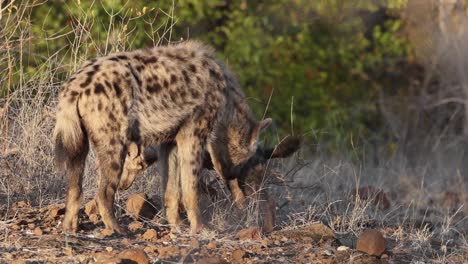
(177, 93)
(249, 178)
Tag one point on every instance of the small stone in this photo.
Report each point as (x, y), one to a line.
(69, 251)
(168, 252)
(249, 233)
(37, 231)
(150, 235)
(54, 212)
(106, 233)
(238, 255)
(212, 245)
(134, 255)
(194, 243)
(372, 242)
(265, 243)
(343, 248)
(137, 205)
(318, 231)
(31, 226)
(109, 249)
(135, 225)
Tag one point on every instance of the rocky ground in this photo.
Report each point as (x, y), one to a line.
(32, 235)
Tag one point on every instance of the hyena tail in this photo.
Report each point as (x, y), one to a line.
(71, 141)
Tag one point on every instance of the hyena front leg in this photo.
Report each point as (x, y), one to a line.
(190, 149)
(111, 158)
(75, 171)
(237, 194)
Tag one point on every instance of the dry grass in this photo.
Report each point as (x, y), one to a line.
(422, 220)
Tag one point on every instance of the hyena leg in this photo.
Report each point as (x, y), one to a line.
(111, 161)
(75, 170)
(190, 150)
(237, 194)
(172, 194)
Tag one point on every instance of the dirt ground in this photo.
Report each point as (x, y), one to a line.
(33, 235)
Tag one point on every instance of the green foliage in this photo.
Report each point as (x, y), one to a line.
(320, 61)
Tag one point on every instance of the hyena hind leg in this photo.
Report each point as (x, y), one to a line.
(75, 171)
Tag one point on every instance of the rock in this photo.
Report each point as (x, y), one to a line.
(106, 257)
(343, 248)
(238, 256)
(212, 260)
(249, 233)
(194, 243)
(372, 242)
(319, 231)
(137, 206)
(106, 233)
(150, 235)
(56, 211)
(134, 255)
(377, 196)
(134, 226)
(91, 208)
(212, 245)
(168, 252)
(37, 231)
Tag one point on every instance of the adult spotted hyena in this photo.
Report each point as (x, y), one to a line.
(248, 179)
(177, 93)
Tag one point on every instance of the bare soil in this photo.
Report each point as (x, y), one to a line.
(33, 235)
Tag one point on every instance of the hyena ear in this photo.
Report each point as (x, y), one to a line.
(260, 127)
(285, 148)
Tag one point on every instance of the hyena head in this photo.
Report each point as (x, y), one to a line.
(254, 174)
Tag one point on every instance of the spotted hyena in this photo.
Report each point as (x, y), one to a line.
(248, 179)
(177, 93)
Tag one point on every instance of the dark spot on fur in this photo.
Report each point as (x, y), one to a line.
(186, 77)
(112, 117)
(118, 90)
(115, 166)
(139, 67)
(166, 83)
(114, 59)
(112, 142)
(150, 60)
(122, 57)
(155, 88)
(192, 68)
(195, 94)
(205, 63)
(173, 79)
(99, 88)
(214, 74)
(99, 106)
(73, 93)
(87, 91)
